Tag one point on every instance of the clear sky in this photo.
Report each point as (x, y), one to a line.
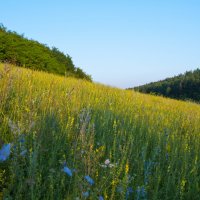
(121, 43)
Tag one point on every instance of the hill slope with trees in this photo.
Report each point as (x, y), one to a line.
(20, 51)
(184, 86)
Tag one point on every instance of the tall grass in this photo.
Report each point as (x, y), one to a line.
(71, 139)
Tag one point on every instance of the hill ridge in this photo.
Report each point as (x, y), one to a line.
(20, 51)
(183, 86)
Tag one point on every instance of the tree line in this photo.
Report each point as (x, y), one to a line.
(20, 51)
(184, 86)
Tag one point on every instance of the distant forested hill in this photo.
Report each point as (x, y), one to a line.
(17, 50)
(184, 86)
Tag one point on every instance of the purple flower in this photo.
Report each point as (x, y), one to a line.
(86, 194)
(67, 171)
(141, 192)
(167, 156)
(101, 198)
(129, 192)
(5, 152)
(22, 140)
(89, 180)
(23, 153)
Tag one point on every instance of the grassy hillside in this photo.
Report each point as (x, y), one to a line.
(184, 86)
(64, 138)
(18, 50)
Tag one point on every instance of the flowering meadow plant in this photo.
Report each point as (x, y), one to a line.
(63, 138)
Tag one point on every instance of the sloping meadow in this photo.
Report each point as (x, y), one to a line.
(62, 138)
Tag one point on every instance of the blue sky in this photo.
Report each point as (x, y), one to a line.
(121, 43)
